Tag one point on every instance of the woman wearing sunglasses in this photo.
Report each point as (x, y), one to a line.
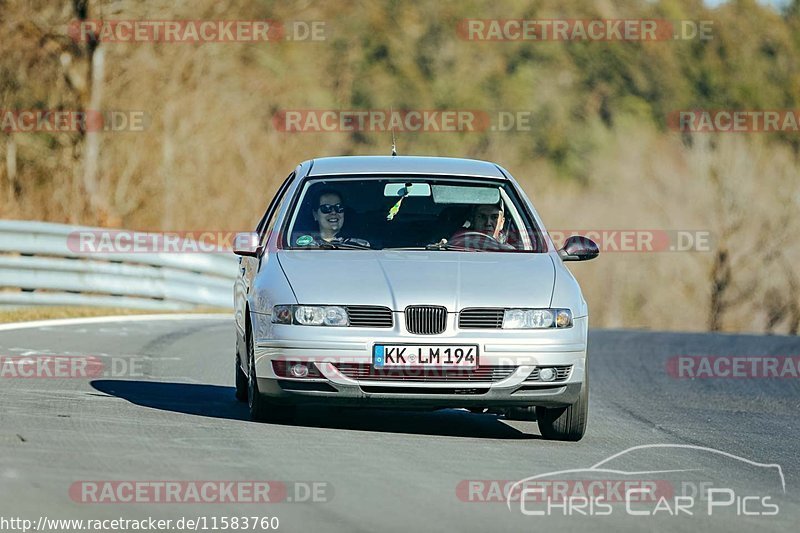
(329, 214)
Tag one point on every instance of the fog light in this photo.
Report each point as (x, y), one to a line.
(298, 370)
(547, 374)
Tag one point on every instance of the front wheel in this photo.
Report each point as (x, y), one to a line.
(565, 423)
(261, 409)
(241, 382)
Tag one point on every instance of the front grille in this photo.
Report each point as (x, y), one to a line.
(369, 316)
(426, 319)
(366, 372)
(562, 373)
(481, 318)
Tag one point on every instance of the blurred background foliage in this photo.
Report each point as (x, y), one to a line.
(599, 154)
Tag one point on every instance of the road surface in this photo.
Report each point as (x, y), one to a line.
(167, 413)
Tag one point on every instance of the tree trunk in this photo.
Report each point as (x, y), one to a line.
(11, 166)
(720, 283)
(92, 140)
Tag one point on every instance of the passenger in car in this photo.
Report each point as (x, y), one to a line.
(329, 213)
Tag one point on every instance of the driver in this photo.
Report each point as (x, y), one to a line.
(329, 214)
(485, 227)
(490, 220)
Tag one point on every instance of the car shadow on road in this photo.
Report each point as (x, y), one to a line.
(217, 401)
(189, 398)
(443, 422)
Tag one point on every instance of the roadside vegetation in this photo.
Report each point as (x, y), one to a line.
(25, 314)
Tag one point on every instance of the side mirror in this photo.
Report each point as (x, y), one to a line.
(577, 248)
(247, 244)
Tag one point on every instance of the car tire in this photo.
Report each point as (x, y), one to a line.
(241, 381)
(565, 423)
(261, 409)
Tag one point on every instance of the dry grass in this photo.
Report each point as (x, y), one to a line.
(744, 193)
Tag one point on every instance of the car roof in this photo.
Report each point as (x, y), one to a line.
(378, 164)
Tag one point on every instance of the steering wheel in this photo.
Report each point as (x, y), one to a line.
(486, 241)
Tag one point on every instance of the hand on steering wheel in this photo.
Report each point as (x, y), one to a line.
(483, 239)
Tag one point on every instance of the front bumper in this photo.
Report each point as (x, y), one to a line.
(496, 348)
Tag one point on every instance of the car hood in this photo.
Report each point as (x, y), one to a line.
(455, 280)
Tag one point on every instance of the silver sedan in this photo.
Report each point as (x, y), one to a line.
(416, 282)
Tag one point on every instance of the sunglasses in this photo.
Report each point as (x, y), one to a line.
(328, 208)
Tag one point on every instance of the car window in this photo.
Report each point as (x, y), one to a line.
(273, 216)
(419, 212)
(275, 199)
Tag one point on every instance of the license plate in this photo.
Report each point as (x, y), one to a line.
(421, 356)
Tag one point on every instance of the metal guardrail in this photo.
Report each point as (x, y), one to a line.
(39, 267)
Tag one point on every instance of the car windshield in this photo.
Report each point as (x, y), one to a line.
(411, 213)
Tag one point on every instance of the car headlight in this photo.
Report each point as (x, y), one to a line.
(310, 315)
(537, 318)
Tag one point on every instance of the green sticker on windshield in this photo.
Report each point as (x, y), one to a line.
(304, 240)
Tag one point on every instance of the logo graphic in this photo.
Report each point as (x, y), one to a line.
(694, 491)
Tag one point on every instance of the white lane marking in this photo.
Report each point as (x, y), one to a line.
(106, 319)
(30, 352)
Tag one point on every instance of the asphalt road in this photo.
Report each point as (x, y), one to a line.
(171, 415)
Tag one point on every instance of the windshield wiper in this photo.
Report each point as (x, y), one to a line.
(444, 245)
(436, 246)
